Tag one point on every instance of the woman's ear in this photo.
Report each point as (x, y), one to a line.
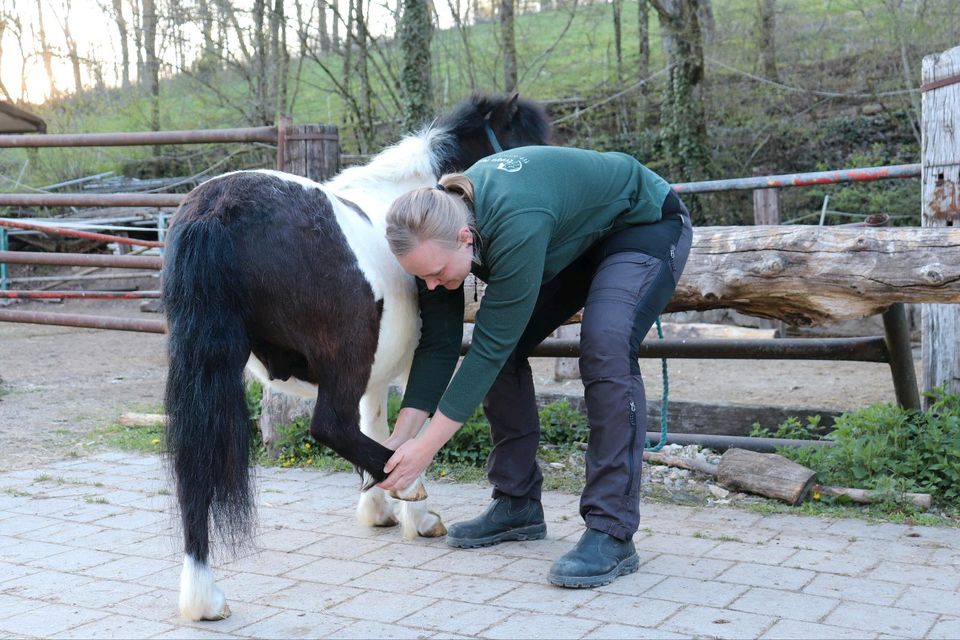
(465, 236)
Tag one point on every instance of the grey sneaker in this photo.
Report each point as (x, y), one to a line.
(506, 518)
(596, 560)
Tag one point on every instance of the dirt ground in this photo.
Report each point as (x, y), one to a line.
(59, 383)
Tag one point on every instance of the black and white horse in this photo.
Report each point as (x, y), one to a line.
(300, 275)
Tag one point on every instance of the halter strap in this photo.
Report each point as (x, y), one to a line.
(492, 137)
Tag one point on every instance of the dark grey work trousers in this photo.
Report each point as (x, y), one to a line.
(621, 294)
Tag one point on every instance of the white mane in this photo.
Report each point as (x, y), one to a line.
(413, 162)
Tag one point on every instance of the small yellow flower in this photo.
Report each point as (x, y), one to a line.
(155, 441)
(309, 460)
(816, 494)
(306, 445)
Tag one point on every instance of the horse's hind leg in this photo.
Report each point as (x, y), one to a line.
(200, 597)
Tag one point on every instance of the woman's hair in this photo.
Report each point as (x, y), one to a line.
(431, 213)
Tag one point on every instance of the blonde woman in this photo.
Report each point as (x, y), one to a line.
(550, 230)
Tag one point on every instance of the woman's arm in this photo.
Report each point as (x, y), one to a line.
(414, 456)
(409, 423)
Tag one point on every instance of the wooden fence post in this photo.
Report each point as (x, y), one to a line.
(766, 211)
(940, 194)
(766, 202)
(311, 150)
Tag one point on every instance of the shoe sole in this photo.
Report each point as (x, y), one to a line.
(626, 566)
(531, 532)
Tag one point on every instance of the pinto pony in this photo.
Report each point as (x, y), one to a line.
(300, 275)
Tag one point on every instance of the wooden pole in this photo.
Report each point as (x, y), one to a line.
(312, 151)
(766, 202)
(940, 189)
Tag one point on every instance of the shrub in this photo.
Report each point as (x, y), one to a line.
(889, 449)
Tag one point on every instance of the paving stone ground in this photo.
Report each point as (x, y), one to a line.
(89, 549)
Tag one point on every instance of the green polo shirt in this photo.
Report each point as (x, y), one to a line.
(536, 209)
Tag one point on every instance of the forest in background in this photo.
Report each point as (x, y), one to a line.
(696, 89)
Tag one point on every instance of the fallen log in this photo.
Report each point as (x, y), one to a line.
(773, 476)
(808, 275)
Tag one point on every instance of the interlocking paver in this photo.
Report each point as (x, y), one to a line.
(718, 623)
(544, 626)
(91, 548)
(545, 598)
(381, 607)
(468, 588)
(626, 632)
(946, 629)
(793, 629)
(918, 575)
(646, 612)
(785, 604)
(117, 627)
(890, 620)
(760, 553)
(934, 600)
(855, 589)
(761, 575)
(48, 620)
(696, 567)
(839, 562)
(698, 592)
(450, 616)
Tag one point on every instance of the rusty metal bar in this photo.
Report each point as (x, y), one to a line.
(76, 233)
(129, 275)
(84, 321)
(867, 174)
(91, 199)
(81, 259)
(126, 139)
(29, 294)
(867, 349)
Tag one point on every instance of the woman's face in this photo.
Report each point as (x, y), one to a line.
(437, 265)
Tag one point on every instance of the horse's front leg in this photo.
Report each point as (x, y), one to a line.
(375, 507)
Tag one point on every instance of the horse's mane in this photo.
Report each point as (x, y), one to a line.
(417, 157)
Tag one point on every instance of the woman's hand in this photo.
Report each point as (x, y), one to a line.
(414, 456)
(406, 464)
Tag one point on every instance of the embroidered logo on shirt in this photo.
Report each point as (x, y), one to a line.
(508, 162)
(510, 165)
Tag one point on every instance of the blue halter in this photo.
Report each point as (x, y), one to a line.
(492, 137)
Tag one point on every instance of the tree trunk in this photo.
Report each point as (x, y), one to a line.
(807, 275)
(138, 40)
(45, 50)
(323, 27)
(72, 53)
(643, 61)
(940, 199)
(363, 72)
(336, 23)
(416, 34)
(684, 127)
(617, 6)
(767, 38)
(124, 49)
(3, 29)
(508, 38)
(151, 63)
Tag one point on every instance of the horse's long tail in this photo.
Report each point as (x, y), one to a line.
(208, 431)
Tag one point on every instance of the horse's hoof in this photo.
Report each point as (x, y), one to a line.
(388, 521)
(223, 615)
(414, 493)
(438, 529)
